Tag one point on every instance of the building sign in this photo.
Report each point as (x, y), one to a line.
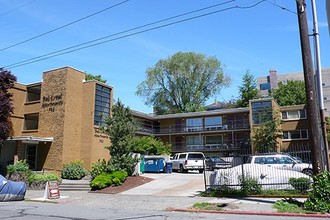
(99, 133)
(51, 101)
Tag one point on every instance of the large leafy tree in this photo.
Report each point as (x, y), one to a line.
(182, 83)
(291, 93)
(151, 146)
(266, 134)
(248, 90)
(121, 128)
(7, 81)
(95, 77)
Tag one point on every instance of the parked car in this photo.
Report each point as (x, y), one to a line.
(281, 161)
(212, 163)
(183, 162)
(267, 177)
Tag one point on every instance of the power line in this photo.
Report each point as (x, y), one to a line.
(105, 40)
(281, 7)
(66, 25)
(14, 9)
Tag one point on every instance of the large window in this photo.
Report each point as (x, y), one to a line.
(33, 93)
(102, 105)
(213, 141)
(194, 124)
(295, 135)
(194, 142)
(213, 123)
(261, 112)
(265, 86)
(31, 121)
(296, 114)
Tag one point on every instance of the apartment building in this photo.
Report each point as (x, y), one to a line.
(267, 83)
(56, 121)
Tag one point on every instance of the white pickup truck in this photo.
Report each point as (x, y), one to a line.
(185, 161)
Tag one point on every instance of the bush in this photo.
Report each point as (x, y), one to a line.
(73, 170)
(101, 181)
(319, 198)
(98, 168)
(301, 184)
(249, 185)
(44, 177)
(107, 179)
(19, 171)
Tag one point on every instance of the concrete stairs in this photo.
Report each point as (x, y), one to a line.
(75, 185)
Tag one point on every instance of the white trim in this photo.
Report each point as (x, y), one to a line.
(27, 139)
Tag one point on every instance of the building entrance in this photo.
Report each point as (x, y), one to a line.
(31, 155)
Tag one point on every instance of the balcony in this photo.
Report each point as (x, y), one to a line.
(177, 129)
(223, 146)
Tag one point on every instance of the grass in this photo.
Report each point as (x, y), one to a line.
(291, 206)
(264, 193)
(208, 206)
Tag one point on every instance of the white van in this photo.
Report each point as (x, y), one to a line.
(185, 161)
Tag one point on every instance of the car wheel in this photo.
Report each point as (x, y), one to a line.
(181, 169)
(308, 172)
(200, 171)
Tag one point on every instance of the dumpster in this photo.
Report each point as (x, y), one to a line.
(168, 166)
(154, 164)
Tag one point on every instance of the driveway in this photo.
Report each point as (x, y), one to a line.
(170, 184)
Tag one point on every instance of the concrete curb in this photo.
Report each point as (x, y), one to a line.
(252, 213)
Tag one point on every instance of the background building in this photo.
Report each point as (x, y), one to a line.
(267, 83)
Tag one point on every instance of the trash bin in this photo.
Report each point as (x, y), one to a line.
(154, 164)
(168, 166)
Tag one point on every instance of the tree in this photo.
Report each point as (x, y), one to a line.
(95, 77)
(266, 134)
(248, 90)
(291, 93)
(151, 146)
(121, 128)
(182, 83)
(7, 81)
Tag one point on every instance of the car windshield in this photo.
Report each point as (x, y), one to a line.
(297, 159)
(218, 159)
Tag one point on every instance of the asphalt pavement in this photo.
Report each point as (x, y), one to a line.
(171, 192)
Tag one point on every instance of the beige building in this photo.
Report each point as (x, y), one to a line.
(56, 121)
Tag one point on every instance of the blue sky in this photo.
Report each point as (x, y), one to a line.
(256, 38)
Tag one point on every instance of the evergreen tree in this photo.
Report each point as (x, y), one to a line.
(7, 81)
(248, 90)
(121, 128)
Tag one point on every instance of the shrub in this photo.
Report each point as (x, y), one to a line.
(101, 181)
(73, 170)
(19, 171)
(301, 184)
(44, 177)
(107, 179)
(98, 168)
(319, 198)
(249, 185)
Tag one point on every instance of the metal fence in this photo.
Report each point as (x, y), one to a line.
(269, 171)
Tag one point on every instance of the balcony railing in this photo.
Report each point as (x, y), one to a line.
(171, 129)
(221, 146)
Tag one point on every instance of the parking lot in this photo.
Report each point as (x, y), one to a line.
(171, 184)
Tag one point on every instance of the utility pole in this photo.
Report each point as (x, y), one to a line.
(325, 148)
(311, 93)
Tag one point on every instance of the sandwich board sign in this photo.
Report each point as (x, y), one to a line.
(52, 190)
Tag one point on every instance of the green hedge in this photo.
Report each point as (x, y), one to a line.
(73, 170)
(108, 179)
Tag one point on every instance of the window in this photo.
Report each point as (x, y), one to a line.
(265, 86)
(194, 142)
(194, 124)
(33, 93)
(31, 121)
(261, 112)
(102, 104)
(296, 114)
(213, 123)
(294, 135)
